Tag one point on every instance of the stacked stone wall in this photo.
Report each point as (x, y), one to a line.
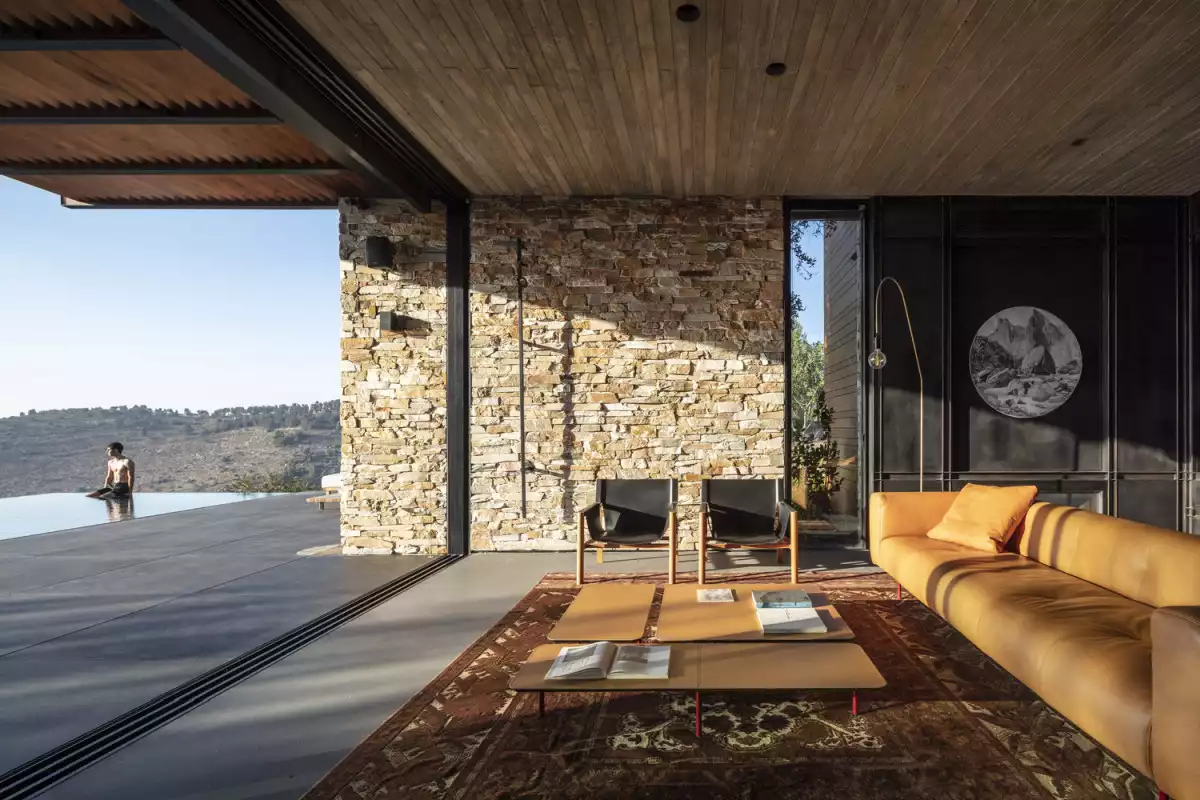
(393, 407)
(654, 337)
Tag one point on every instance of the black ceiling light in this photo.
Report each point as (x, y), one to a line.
(776, 68)
(688, 12)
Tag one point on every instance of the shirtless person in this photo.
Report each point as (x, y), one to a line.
(118, 481)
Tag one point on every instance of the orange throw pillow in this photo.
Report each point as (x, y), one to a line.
(984, 517)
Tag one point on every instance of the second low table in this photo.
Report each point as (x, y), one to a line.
(715, 667)
(683, 618)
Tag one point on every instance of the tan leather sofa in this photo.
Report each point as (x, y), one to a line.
(1099, 616)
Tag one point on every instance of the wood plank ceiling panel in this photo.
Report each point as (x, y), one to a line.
(879, 96)
(109, 80)
(109, 143)
(112, 78)
(203, 188)
(66, 12)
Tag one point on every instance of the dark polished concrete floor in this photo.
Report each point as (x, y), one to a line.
(274, 735)
(99, 620)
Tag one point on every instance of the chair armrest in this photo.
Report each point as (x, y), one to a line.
(591, 517)
(1175, 699)
(905, 514)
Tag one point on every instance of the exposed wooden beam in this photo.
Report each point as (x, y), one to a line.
(259, 48)
(136, 115)
(75, 168)
(82, 37)
(196, 205)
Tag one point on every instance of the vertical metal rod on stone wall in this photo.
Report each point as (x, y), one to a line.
(521, 372)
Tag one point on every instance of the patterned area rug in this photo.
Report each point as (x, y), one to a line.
(950, 724)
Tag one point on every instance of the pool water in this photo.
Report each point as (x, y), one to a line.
(43, 513)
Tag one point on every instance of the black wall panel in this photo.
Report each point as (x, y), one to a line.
(1064, 277)
(1112, 269)
(914, 258)
(1147, 335)
(1155, 502)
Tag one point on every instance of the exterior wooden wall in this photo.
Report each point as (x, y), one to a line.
(843, 287)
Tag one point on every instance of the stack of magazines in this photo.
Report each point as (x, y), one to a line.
(787, 611)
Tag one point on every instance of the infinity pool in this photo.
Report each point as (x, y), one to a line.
(43, 513)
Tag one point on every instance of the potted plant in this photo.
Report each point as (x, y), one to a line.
(815, 460)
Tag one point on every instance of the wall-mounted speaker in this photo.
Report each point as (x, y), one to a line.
(379, 252)
(395, 322)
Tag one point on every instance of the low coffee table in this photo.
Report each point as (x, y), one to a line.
(725, 667)
(606, 612)
(683, 618)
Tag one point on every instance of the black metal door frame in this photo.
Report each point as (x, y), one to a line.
(826, 209)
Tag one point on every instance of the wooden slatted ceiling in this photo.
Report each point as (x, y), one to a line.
(115, 79)
(880, 96)
(230, 189)
(66, 12)
(112, 78)
(108, 143)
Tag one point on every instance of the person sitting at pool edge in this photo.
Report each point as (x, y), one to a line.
(118, 480)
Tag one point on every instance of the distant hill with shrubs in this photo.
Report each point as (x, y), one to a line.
(252, 448)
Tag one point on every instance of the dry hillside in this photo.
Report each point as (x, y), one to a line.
(63, 451)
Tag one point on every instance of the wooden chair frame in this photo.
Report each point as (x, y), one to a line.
(584, 543)
(791, 543)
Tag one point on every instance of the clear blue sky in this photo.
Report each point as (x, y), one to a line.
(171, 309)
(812, 290)
(182, 309)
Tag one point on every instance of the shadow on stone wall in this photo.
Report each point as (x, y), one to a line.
(655, 333)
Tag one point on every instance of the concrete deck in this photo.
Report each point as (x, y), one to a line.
(274, 735)
(99, 620)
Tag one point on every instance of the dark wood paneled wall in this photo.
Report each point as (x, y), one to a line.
(1115, 270)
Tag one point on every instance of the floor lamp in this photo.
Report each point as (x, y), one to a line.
(877, 360)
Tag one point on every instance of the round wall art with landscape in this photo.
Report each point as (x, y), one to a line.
(1025, 362)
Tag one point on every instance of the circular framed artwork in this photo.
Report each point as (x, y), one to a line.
(1025, 362)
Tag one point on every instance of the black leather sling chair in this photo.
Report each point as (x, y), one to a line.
(629, 514)
(750, 514)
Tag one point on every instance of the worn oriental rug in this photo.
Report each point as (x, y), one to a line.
(950, 724)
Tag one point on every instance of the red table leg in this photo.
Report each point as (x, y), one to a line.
(697, 715)
(854, 703)
(541, 704)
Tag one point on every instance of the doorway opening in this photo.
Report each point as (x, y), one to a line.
(824, 364)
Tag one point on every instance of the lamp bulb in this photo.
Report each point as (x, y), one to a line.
(877, 359)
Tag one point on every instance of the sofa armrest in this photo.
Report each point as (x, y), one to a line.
(905, 514)
(1175, 720)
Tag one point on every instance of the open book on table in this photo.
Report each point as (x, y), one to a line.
(601, 660)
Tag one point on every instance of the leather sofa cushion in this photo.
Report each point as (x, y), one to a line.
(1176, 730)
(1083, 649)
(1151, 565)
(984, 517)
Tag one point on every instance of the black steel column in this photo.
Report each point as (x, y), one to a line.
(458, 377)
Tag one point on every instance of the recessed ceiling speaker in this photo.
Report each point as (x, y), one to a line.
(688, 12)
(776, 68)
(379, 252)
